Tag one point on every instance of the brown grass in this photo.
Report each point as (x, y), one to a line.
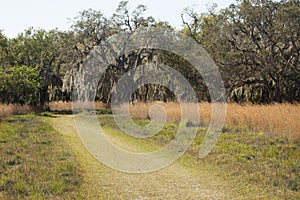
(276, 119)
(282, 119)
(13, 109)
(60, 105)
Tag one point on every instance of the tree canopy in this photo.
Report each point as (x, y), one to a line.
(255, 43)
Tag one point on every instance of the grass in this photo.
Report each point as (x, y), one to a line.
(275, 119)
(13, 109)
(262, 167)
(63, 106)
(259, 150)
(34, 162)
(257, 159)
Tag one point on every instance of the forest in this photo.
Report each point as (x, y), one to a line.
(255, 44)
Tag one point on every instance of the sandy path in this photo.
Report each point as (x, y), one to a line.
(173, 182)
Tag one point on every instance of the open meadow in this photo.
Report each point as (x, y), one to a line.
(257, 153)
(274, 119)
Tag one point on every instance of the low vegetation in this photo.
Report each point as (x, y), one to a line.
(258, 151)
(260, 165)
(34, 161)
(256, 159)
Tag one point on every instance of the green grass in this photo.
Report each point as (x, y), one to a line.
(272, 163)
(260, 165)
(34, 162)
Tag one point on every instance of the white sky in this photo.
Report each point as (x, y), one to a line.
(17, 15)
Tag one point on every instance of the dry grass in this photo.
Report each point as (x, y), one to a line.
(282, 119)
(277, 119)
(13, 109)
(60, 105)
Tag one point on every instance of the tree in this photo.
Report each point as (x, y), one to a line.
(19, 85)
(256, 44)
(44, 51)
(3, 49)
(92, 28)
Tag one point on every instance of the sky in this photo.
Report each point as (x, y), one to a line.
(18, 15)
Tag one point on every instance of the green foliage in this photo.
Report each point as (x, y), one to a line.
(3, 48)
(47, 52)
(19, 84)
(254, 42)
(256, 45)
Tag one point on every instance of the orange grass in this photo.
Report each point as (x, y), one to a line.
(60, 105)
(13, 109)
(282, 119)
(276, 119)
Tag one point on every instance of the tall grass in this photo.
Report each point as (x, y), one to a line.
(60, 105)
(276, 119)
(14, 109)
(282, 119)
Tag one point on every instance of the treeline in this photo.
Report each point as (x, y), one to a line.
(255, 43)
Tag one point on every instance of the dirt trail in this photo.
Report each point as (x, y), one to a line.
(173, 182)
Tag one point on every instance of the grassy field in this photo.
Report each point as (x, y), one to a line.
(258, 151)
(262, 167)
(34, 161)
(259, 147)
(274, 119)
